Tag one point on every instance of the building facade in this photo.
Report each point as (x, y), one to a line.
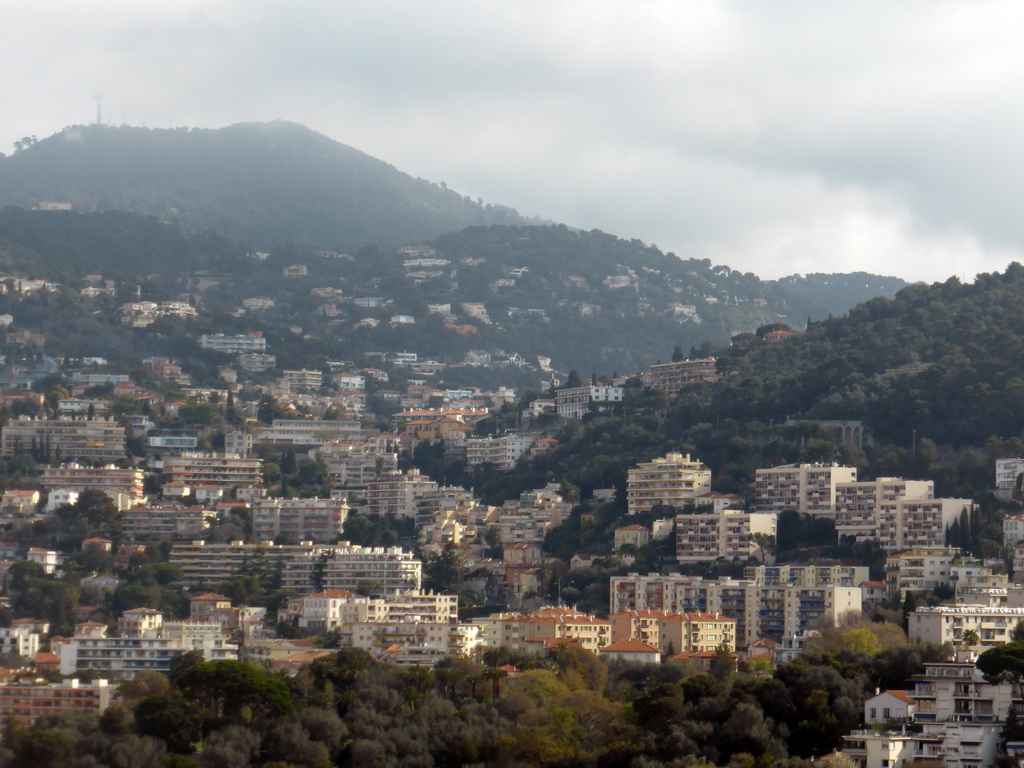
(809, 489)
(673, 481)
(761, 611)
(708, 536)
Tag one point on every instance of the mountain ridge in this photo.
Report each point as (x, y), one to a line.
(263, 184)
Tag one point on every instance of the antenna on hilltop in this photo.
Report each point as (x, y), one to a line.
(99, 107)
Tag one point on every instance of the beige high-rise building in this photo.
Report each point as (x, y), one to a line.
(707, 536)
(676, 632)
(674, 480)
(761, 610)
(899, 514)
(809, 489)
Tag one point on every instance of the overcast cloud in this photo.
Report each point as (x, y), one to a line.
(775, 137)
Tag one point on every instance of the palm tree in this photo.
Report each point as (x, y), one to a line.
(970, 638)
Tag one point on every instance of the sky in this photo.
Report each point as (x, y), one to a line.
(772, 136)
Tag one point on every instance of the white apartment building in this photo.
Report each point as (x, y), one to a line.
(397, 493)
(64, 439)
(676, 632)
(302, 432)
(573, 403)
(242, 344)
(334, 608)
(221, 470)
(947, 623)
(1007, 472)
(808, 575)
(257, 362)
(809, 489)
(549, 626)
(21, 639)
(957, 716)
(340, 566)
(187, 523)
(528, 520)
(502, 451)
(899, 514)
(1013, 530)
(356, 466)
(121, 658)
(921, 569)
(385, 639)
(302, 380)
(74, 477)
(26, 702)
(296, 520)
(707, 536)
(672, 481)
(761, 611)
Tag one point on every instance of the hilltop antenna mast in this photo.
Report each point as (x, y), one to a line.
(99, 107)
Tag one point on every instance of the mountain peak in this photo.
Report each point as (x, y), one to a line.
(263, 184)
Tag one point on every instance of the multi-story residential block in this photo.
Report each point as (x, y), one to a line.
(220, 470)
(237, 345)
(550, 626)
(634, 536)
(26, 702)
(672, 378)
(1008, 473)
(20, 639)
(808, 575)
(186, 523)
(761, 611)
(168, 441)
(295, 520)
(412, 642)
(64, 439)
(397, 493)
(302, 380)
(299, 432)
(574, 402)
(150, 648)
(672, 481)
(257, 362)
(303, 567)
(1013, 530)
(503, 451)
(957, 720)
(809, 489)
(50, 559)
(16, 501)
(356, 466)
(948, 623)
(238, 444)
(74, 477)
(674, 633)
(707, 536)
(922, 569)
(333, 608)
(528, 520)
(899, 514)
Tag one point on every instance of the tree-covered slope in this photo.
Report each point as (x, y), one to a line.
(261, 184)
(61, 246)
(945, 360)
(836, 293)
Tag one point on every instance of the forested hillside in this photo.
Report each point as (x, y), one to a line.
(587, 300)
(934, 375)
(261, 184)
